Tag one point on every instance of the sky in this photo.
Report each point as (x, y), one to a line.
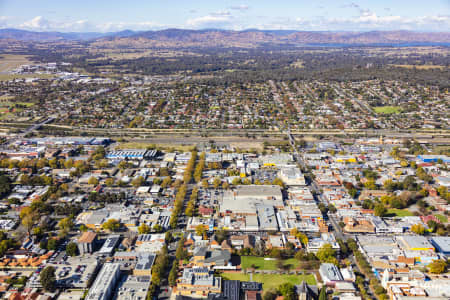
(316, 15)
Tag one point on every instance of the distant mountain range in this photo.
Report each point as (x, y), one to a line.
(229, 38)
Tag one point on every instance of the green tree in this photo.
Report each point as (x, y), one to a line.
(418, 229)
(48, 278)
(52, 244)
(66, 224)
(144, 229)
(93, 180)
(111, 225)
(217, 182)
(438, 266)
(323, 294)
(173, 274)
(109, 181)
(326, 253)
(157, 228)
(380, 210)
(287, 290)
(137, 182)
(72, 249)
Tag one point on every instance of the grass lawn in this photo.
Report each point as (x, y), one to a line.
(394, 212)
(387, 109)
(271, 281)
(441, 218)
(261, 264)
(235, 276)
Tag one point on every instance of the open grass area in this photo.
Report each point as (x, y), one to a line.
(420, 67)
(6, 77)
(137, 145)
(441, 218)
(394, 212)
(10, 62)
(235, 276)
(261, 264)
(272, 281)
(387, 110)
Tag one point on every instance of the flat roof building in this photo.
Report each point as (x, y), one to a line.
(242, 200)
(442, 244)
(103, 287)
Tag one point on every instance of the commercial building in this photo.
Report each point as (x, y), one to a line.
(86, 242)
(442, 244)
(330, 274)
(133, 288)
(198, 281)
(103, 287)
(109, 245)
(242, 200)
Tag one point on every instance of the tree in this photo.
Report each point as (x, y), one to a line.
(48, 278)
(52, 244)
(93, 180)
(326, 253)
(205, 183)
(72, 249)
(29, 218)
(287, 290)
(109, 181)
(157, 228)
(166, 182)
(380, 210)
(225, 185)
(111, 225)
(137, 182)
(278, 181)
(200, 230)
(66, 224)
(168, 237)
(144, 229)
(217, 182)
(332, 209)
(270, 295)
(323, 294)
(236, 181)
(173, 274)
(438, 266)
(418, 229)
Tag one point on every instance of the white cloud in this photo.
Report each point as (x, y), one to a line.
(38, 23)
(214, 20)
(240, 7)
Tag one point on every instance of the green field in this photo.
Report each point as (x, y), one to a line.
(387, 110)
(441, 218)
(261, 264)
(394, 212)
(6, 77)
(271, 281)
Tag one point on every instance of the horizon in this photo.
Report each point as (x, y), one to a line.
(220, 29)
(112, 16)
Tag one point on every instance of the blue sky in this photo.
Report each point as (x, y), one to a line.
(114, 15)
